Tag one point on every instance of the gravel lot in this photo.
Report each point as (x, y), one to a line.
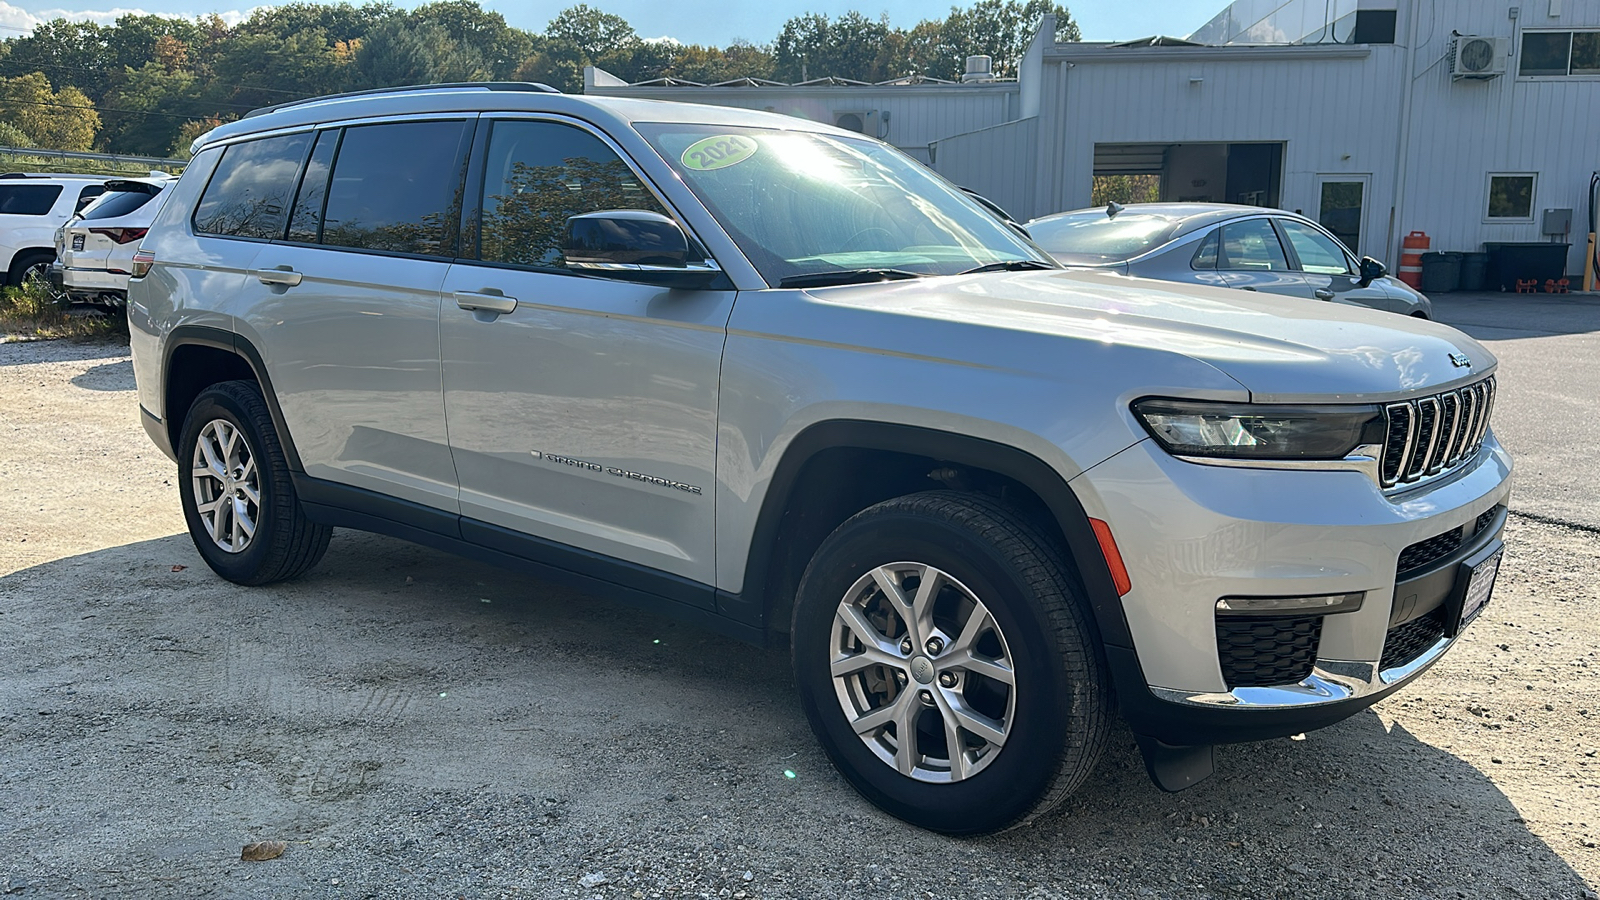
(412, 724)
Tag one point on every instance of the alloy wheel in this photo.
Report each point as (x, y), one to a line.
(227, 485)
(922, 672)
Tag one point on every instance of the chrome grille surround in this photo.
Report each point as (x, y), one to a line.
(1430, 435)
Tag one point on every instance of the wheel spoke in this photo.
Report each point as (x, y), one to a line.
(905, 732)
(978, 621)
(250, 493)
(977, 665)
(242, 521)
(218, 469)
(218, 521)
(872, 656)
(247, 470)
(955, 748)
(890, 586)
(952, 704)
(867, 633)
(874, 719)
(922, 604)
(204, 508)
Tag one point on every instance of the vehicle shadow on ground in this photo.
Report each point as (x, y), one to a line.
(111, 376)
(399, 712)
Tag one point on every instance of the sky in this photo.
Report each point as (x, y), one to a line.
(1101, 20)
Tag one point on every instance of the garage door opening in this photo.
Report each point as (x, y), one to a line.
(1247, 173)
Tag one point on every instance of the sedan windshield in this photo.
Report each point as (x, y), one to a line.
(801, 205)
(1092, 238)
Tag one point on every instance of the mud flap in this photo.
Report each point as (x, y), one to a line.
(1174, 768)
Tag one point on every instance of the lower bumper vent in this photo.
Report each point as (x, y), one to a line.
(1261, 651)
(1407, 641)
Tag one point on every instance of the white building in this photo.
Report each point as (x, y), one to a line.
(1464, 119)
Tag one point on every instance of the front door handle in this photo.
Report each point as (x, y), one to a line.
(281, 275)
(1247, 288)
(1323, 294)
(486, 301)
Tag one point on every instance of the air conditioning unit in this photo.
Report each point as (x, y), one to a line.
(864, 121)
(1477, 57)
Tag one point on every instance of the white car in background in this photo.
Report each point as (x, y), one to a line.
(94, 249)
(33, 206)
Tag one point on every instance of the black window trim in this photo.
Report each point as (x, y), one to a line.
(461, 159)
(194, 227)
(472, 202)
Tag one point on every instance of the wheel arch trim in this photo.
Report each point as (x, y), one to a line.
(1020, 466)
(230, 342)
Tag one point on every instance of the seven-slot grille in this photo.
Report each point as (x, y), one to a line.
(1431, 434)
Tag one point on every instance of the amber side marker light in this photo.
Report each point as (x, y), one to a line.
(1108, 549)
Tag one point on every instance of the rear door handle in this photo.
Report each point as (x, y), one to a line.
(284, 275)
(486, 301)
(1247, 288)
(1323, 294)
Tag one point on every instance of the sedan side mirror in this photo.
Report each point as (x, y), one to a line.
(1371, 270)
(634, 245)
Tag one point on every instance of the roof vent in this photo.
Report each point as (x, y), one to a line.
(979, 69)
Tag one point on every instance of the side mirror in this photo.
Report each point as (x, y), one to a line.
(1371, 270)
(634, 245)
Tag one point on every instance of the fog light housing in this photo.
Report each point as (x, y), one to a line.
(1318, 604)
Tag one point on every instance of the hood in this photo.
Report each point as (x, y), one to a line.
(1281, 349)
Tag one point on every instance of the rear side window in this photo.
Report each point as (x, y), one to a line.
(116, 204)
(1251, 245)
(538, 175)
(396, 188)
(28, 199)
(306, 223)
(248, 195)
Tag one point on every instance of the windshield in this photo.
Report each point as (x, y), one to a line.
(800, 204)
(1092, 238)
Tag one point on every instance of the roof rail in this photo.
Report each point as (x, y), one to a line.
(529, 86)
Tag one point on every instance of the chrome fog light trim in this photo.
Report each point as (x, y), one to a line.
(1269, 606)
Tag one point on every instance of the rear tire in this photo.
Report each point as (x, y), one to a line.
(32, 269)
(984, 599)
(238, 498)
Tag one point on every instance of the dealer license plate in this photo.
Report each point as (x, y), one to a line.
(1478, 588)
(77, 242)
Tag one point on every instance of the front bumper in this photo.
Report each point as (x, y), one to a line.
(1191, 534)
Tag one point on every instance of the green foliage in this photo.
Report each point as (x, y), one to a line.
(153, 78)
(1125, 189)
(12, 136)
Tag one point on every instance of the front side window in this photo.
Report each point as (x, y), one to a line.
(538, 175)
(1511, 197)
(28, 199)
(802, 204)
(1250, 245)
(396, 188)
(1318, 253)
(248, 195)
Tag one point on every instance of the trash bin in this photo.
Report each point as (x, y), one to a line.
(1474, 271)
(1441, 272)
(1529, 261)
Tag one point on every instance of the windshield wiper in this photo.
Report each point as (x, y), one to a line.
(846, 276)
(1011, 265)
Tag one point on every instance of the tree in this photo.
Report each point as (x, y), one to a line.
(149, 106)
(55, 120)
(1002, 30)
(262, 69)
(398, 53)
(69, 53)
(337, 21)
(813, 46)
(188, 132)
(501, 47)
(589, 32)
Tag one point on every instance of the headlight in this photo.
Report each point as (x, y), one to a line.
(1257, 431)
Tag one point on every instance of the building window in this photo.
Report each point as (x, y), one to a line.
(1511, 197)
(1373, 26)
(1560, 53)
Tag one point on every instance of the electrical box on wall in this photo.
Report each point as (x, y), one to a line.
(1557, 221)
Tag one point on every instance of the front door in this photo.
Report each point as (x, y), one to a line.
(1342, 208)
(586, 414)
(1330, 271)
(1250, 257)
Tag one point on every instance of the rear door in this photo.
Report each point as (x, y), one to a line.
(1251, 257)
(586, 414)
(1329, 270)
(344, 305)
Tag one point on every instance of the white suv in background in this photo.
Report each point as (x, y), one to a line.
(94, 250)
(32, 207)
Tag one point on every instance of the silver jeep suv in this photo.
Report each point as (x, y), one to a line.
(781, 381)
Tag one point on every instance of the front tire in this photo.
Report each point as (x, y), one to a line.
(238, 498)
(942, 622)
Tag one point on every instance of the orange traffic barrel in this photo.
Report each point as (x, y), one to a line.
(1411, 249)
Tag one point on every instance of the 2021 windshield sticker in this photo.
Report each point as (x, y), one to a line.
(718, 152)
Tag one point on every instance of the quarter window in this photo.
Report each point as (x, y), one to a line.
(1205, 258)
(1251, 245)
(538, 175)
(1511, 197)
(248, 195)
(1318, 253)
(396, 188)
(28, 199)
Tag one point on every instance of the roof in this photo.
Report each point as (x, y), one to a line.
(618, 112)
(1193, 215)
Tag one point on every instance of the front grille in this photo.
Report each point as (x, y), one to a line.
(1258, 652)
(1410, 640)
(1433, 434)
(1486, 518)
(1423, 552)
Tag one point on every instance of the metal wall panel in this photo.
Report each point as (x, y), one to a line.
(986, 161)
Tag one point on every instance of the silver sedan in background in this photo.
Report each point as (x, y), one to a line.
(1246, 247)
